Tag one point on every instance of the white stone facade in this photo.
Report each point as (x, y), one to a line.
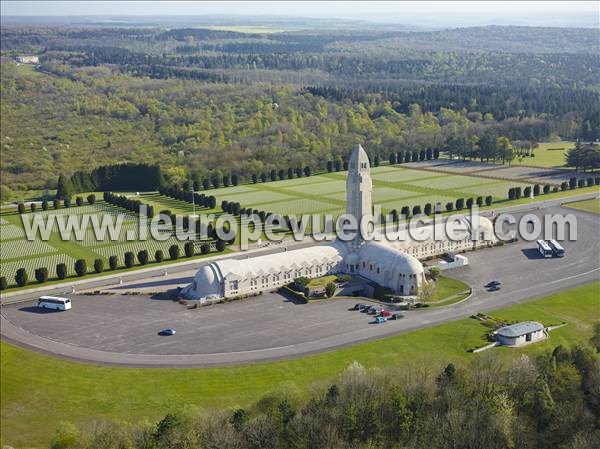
(390, 263)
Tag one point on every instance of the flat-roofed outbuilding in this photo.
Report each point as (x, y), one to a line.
(520, 333)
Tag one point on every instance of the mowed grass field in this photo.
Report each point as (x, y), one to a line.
(39, 391)
(18, 252)
(393, 188)
(547, 154)
(592, 205)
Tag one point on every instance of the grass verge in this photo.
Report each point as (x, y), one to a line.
(36, 387)
(592, 205)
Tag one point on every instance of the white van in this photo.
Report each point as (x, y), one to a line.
(54, 302)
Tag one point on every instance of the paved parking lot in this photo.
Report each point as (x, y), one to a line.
(123, 329)
(130, 324)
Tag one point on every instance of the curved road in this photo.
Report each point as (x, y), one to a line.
(523, 273)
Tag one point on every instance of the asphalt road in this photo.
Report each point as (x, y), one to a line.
(122, 330)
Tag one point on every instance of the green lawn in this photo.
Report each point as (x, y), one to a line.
(547, 154)
(321, 282)
(39, 391)
(592, 205)
(447, 291)
(393, 188)
(17, 252)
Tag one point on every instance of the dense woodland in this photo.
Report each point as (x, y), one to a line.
(551, 401)
(209, 103)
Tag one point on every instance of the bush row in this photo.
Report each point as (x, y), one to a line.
(130, 259)
(537, 189)
(56, 204)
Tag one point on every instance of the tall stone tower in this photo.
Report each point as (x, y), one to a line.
(358, 186)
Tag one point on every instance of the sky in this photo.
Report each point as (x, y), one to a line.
(559, 13)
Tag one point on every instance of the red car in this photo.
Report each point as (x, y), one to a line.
(385, 313)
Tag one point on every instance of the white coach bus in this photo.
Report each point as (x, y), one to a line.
(557, 249)
(54, 302)
(544, 248)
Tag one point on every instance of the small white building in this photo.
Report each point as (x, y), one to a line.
(28, 59)
(520, 333)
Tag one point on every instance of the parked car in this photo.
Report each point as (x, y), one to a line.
(380, 319)
(494, 288)
(375, 310)
(385, 313)
(359, 306)
(166, 332)
(396, 316)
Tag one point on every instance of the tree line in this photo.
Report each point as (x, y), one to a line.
(531, 402)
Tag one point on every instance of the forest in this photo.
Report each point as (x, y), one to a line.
(548, 401)
(207, 103)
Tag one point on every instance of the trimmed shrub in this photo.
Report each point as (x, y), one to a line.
(174, 252)
(572, 183)
(469, 203)
(79, 201)
(546, 189)
(479, 201)
(527, 192)
(581, 183)
(204, 248)
(449, 206)
(21, 277)
(67, 202)
(405, 211)
(21, 208)
(488, 200)
(98, 265)
(41, 274)
(460, 204)
(61, 271)
(3, 283)
(129, 259)
(330, 289)
(590, 182)
(55, 203)
(220, 245)
(45, 204)
(143, 257)
(536, 190)
(428, 207)
(416, 210)
(564, 186)
(91, 198)
(517, 192)
(80, 267)
(33, 207)
(113, 262)
(159, 255)
(188, 248)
